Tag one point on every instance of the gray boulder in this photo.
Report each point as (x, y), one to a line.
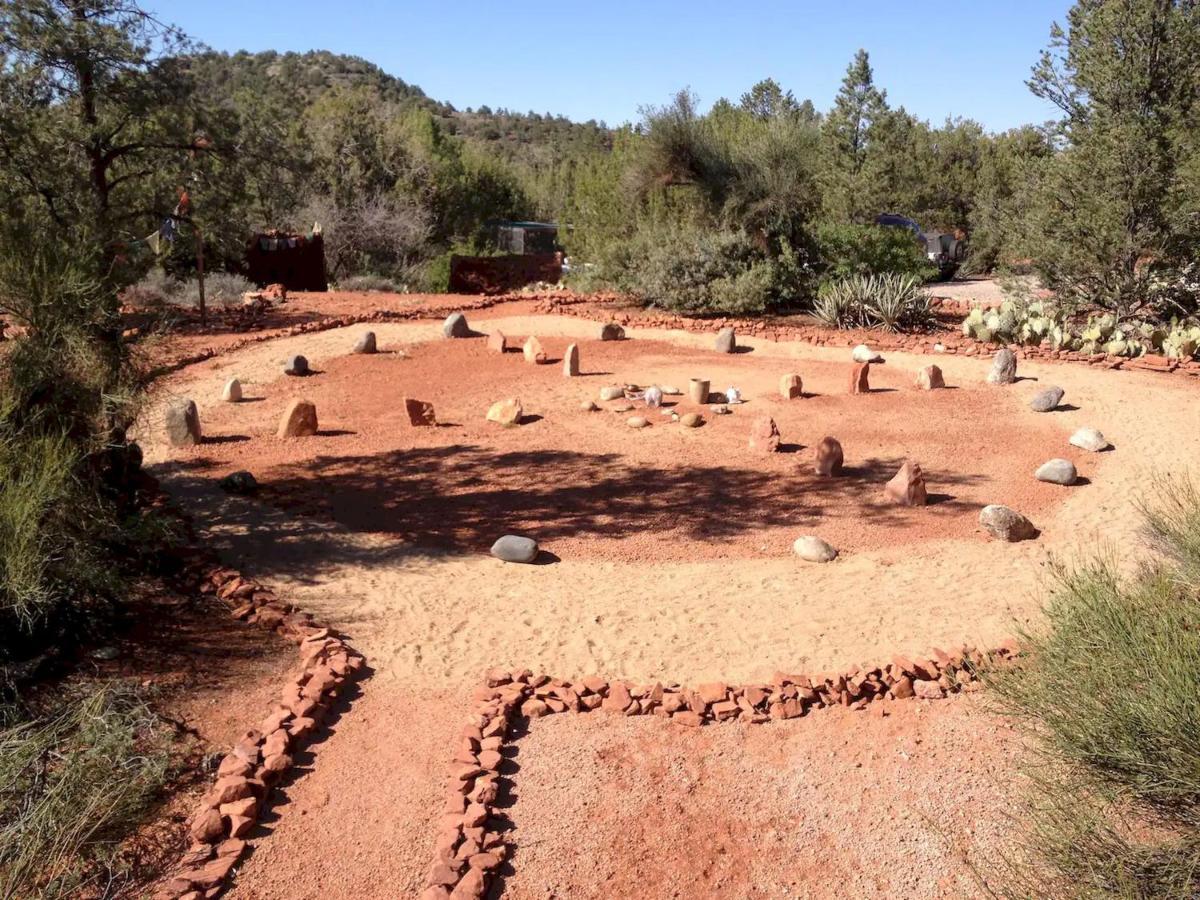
(1047, 400)
(1006, 524)
(1004, 367)
(1089, 439)
(296, 365)
(516, 549)
(456, 326)
(366, 343)
(1057, 471)
(183, 423)
(813, 549)
(726, 340)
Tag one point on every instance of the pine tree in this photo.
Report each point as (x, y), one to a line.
(847, 133)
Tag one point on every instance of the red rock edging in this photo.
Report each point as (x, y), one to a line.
(470, 845)
(263, 756)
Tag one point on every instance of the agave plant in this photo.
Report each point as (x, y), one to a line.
(896, 302)
(838, 303)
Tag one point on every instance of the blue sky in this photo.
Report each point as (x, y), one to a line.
(603, 60)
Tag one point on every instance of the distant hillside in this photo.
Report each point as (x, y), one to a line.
(531, 137)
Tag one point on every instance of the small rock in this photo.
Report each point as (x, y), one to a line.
(516, 549)
(791, 387)
(860, 378)
(726, 340)
(828, 457)
(1089, 439)
(864, 354)
(930, 379)
(611, 331)
(907, 486)
(623, 408)
(1004, 367)
(299, 419)
(366, 343)
(669, 391)
(1057, 471)
(534, 354)
(927, 690)
(1006, 524)
(571, 361)
(636, 422)
(813, 549)
(764, 435)
(612, 392)
(720, 410)
(241, 482)
(297, 366)
(588, 406)
(497, 342)
(420, 412)
(506, 412)
(232, 392)
(183, 423)
(653, 397)
(456, 326)
(1047, 400)
(691, 420)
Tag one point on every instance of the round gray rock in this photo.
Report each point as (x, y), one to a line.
(1006, 524)
(1004, 367)
(1057, 471)
(813, 549)
(516, 549)
(1089, 439)
(366, 343)
(456, 326)
(296, 365)
(1047, 400)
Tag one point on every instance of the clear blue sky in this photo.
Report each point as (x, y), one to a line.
(603, 60)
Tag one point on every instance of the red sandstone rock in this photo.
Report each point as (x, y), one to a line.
(299, 420)
(618, 699)
(791, 387)
(686, 717)
(930, 379)
(233, 764)
(533, 351)
(928, 690)
(228, 789)
(907, 486)
(828, 458)
(207, 827)
(712, 692)
(239, 826)
(419, 412)
(473, 886)
(497, 342)
(860, 379)
(764, 435)
(595, 684)
(490, 760)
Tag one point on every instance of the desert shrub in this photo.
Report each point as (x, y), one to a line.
(156, 290)
(220, 289)
(891, 302)
(72, 783)
(1108, 695)
(846, 250)
(368, 283)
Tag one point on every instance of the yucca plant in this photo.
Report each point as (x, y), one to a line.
(896, 302)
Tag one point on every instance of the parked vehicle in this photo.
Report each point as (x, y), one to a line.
(945, 250)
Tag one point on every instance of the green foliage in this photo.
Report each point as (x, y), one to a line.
(893, 302)
(368, 282)
(847, 250)
(72, 783)
(1108, 696)
(220, 289)
(1019, 322)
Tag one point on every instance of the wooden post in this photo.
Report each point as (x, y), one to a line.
(200, 274)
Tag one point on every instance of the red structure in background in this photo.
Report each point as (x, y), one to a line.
(296, 261)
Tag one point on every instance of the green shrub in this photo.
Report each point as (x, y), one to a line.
(846, 250)
(890, 302)
(220, 289)
(1108, 694)
(73, 782)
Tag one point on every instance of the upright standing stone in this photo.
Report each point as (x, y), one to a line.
(726, 340)
(533, 351)
(698, 390)
(860, 375)
(420, 413)
(366, 343)
(611, 331)
(571, 361)
(456, 326)
(764, 435)
(497, 342)
(907, 486)
(930, 379)
(183, 423)
(299, 419)
(828, 457)
(791, 387)
(1004, 367)
(296, 365)
(232, 392)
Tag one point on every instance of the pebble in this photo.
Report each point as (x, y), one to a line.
(720, 410)
(814, 549)
(669, 391)
(1057, 471)
(516, 549)
(1089, 439)
(588, 406)
(1047, 400)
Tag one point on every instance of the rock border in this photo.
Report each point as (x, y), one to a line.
(264, 755)
(470, 845)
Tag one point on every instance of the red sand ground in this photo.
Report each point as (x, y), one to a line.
(590, 487)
